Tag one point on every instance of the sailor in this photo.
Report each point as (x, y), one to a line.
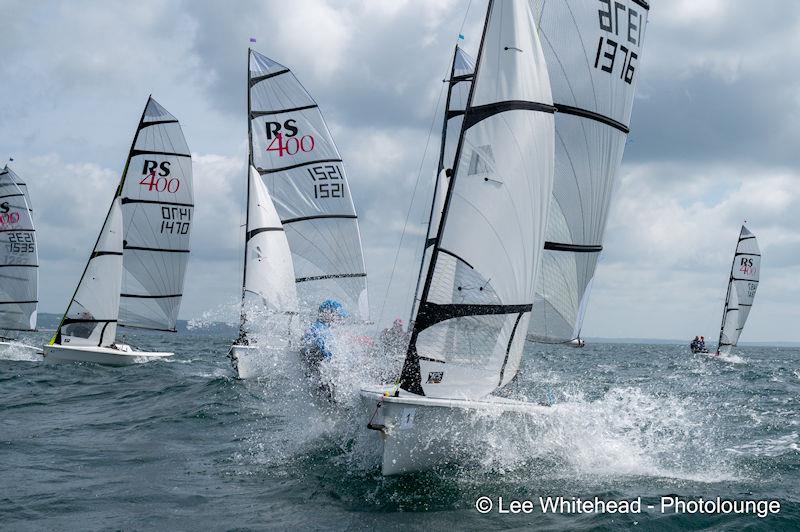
(702, 344)
(695, 345)
(317, 338)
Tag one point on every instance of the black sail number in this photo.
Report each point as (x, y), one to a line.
(21, 243)
(624, 24)
(328, 182)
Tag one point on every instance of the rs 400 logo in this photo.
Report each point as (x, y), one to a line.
(283, 138)
(161, 182)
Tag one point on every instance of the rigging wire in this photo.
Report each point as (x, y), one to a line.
(419, 175)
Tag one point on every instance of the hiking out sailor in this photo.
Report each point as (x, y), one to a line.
(317, 340)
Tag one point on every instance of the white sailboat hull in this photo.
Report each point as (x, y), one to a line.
(242, 360)
(121, 355)
(419, 433)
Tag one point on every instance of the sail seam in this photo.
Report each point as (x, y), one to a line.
(256, 114)
(17, 230)
(263, 171)
(448, 252)
(258, 79)
(101, 253)
(156, 123)
(432, 313)
(575, 248)
(134, 153)
(147, 296)
(330, 276)
(11, 196)
(508, 348)
(318, 217)
(254, 232)
(17, 302)
(479, 113)
(139, 248)
(67, 321)
(19, 265)
(591, 115)
(125, 201)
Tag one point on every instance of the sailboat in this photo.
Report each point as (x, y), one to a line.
(135, 273)
(19, 261)
(474, 304)
(742, 286)
(593, 51)
(303, 244)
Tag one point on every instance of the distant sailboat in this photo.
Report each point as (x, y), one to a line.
(135, 273)
(299, 208)
(742, 286)
(592, 51)
(19, 260)
(480, 270)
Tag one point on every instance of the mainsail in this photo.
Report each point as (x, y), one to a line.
(742, 287)
(292, 150)
(19, 260)
(592, 49)
(92, 314)
(157, 205)
(478, 292)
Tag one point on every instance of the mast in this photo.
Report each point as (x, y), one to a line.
(242, 335)
(410, 378)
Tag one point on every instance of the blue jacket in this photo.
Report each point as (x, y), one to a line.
(317, 337)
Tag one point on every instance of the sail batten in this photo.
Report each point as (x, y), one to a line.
(293, 153)
(480, 275)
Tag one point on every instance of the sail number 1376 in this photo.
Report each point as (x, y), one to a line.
(624, 23)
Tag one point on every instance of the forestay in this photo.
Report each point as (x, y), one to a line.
(470, 328)
(19, 260)
(157, 206)
(742, 287)
(592, 49)
(298, 161)
(269, 274)
(91, 317)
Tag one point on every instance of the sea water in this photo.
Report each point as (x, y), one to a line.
(181, 444)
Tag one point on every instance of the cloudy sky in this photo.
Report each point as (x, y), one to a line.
(714, 140)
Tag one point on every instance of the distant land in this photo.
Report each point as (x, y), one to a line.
(49, 321)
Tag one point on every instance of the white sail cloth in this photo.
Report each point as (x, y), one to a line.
(91, 318)
(592, 51)
(19, 259)
(469, 331)
(298, 161)
(269, 273)
(157, 206)
(742, 288)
